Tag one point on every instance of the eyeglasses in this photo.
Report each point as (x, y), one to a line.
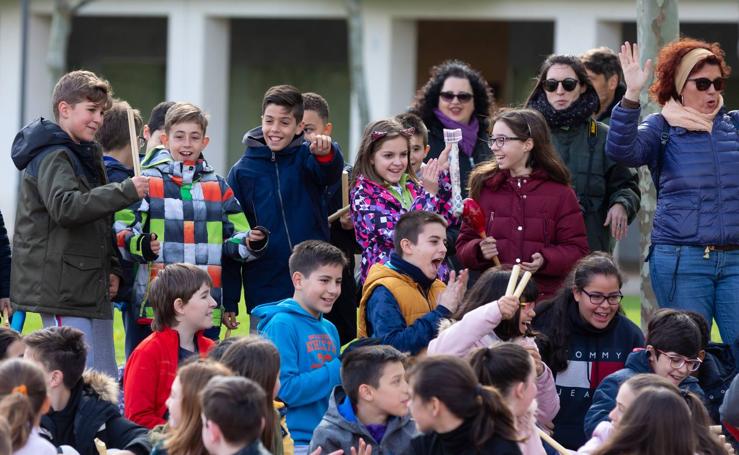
(568, 84)
(500, 141)
(463, 97)
(702, 83)
(598, 299)
(678, 361)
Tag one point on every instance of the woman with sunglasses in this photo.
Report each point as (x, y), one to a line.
(608, 192)
(692, 150)
(584, 337)
(531, 214)
(673, 351)
(457, 96)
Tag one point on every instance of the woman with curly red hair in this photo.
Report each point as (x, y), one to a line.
(692, 150)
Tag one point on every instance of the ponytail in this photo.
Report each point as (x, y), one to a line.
(707, 441)
(22, 397)
(452, 381)
(18, 412)
(495, 418)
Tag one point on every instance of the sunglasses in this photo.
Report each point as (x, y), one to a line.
(702, 83)
(568, 84)
(463, 97)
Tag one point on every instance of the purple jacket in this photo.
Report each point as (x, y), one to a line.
(375, 212)
(475, 330)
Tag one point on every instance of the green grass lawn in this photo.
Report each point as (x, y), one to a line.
(33, 322)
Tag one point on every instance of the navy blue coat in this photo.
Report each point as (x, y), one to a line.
(283, 192)
(117, 172)
(715, 376)
(698, 200)
(604, 399)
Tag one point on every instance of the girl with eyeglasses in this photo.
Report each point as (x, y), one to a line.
(485, 318)
(692, 150)
(608, 192)
(385, 187)
(585, 337)
(672, 351)
(531, 214)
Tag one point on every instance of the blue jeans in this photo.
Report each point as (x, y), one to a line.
(684, 280)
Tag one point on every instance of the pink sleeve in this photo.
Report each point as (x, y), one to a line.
(547, 397)
(600, 435)
(462, 336)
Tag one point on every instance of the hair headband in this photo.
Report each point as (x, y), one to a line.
(687, 64)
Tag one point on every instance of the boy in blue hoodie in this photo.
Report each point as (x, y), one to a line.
(308, 343)
(280, 181)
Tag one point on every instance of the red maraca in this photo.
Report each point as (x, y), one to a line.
(472, 215)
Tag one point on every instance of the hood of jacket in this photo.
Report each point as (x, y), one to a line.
(334, 416)
(38, 135)
(256, 146)
(268, 311)
(103, 385)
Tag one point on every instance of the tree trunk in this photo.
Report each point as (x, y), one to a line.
(61, 28)
(656, 25)
(356, 58)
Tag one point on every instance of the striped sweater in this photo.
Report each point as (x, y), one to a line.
(196, 218)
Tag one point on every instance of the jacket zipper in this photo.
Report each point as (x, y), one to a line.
(282, 205)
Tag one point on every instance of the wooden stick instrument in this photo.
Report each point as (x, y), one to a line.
(549, 440)
(134, 143)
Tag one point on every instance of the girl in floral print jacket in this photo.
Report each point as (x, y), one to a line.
(385, 187)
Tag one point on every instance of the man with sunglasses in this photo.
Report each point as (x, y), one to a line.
(672, 351)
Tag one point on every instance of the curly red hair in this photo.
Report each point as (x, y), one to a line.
(669, 58)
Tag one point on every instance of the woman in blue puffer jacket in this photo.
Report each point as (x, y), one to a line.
(692, 150)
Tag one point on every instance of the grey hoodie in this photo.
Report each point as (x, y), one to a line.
(336, 432)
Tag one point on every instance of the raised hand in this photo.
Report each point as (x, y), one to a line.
(455, 289)
(430, 176)
(444, 158)
(320, 145)
(634, 75)
(508, 305)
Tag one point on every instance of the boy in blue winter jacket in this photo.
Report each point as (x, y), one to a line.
(279, 182)
(308, 343)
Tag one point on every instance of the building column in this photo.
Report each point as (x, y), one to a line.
(198, 66)
(574, 33)
(10, 55)
(390, 47)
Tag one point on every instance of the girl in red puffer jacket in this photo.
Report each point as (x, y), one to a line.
(532, 215)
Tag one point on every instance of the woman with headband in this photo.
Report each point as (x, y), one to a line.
(692, 150)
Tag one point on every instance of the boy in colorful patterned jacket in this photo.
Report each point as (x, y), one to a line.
(190, 215)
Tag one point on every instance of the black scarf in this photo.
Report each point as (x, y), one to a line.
(582, 109)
